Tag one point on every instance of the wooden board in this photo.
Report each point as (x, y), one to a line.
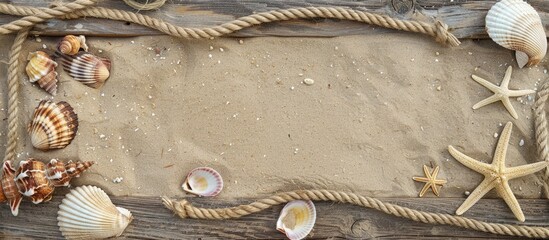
(464, 18)
(153, 221)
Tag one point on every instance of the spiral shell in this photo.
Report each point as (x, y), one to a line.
(9, 191)
(204, 182)
(516, 25)
(88, 213)
(32, 181)
(53, 125)
(41, 69)
(71, 44)
(60, 174)
(87, 69)
(297, 219)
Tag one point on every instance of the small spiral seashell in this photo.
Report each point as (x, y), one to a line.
(53, 125)
(297, 219)
(87, 69)
(204, 182)
(88, 213)
(41, 69)
(70, 44)
(516, 25)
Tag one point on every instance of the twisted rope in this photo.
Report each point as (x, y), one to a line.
(438, 29)
(185, 210)
(540, 126)
(145, 6)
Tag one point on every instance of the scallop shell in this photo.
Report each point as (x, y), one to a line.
(87, 69)
(204, 182)
(71, 44)
(53, 125)
(516, 25)
(88, 213)
(41, 69)
(297, 219)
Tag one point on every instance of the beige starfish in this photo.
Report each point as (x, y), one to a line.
(496, 175)
(501, 93)
(430, 181)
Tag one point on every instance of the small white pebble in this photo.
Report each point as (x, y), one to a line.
(308, 81)
(132, 42)
(38, 39)
(496, 135)
(521, 142)
(211, 48)
(241, 41)
(210, 56)
(221, 49)
(118, 180)
(439, 88)
(437, 53)
(44, 46)
(292, 88)
(467, 193)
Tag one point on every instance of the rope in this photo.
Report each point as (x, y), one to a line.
(185, 210)
(438, 29)
(13, 94)
(145, 6)
(540, 126)
(80, 8)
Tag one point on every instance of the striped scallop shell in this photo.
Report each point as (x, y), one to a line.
(88, 213)
(516, 25)
(297, 219)
(204, 182)
(53, 125)
(87, 69)
(71, 44)
(41, 69)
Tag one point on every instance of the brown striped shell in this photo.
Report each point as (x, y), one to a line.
(87, 69)
(53, 125)
(37, 180)
(70, 44)
(41, 69)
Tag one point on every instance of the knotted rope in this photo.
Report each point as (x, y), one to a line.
(185, 210)
(80, 8)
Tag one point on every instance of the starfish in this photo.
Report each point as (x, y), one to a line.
(501, 93)
(496, 175)
(430, 181)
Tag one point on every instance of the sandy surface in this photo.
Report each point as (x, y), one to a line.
(379, 109)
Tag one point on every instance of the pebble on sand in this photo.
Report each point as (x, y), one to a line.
(308, 81)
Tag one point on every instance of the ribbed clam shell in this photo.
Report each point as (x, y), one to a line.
(71, 44)
(204, 182)
(297, 219)
(516, 25)
(88, 213)
(41, 69)
(53, 125)
(87, 68)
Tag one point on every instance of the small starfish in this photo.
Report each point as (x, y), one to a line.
(496, 175)
(501, 93)
(430, 181)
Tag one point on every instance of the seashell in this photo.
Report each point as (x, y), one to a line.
(53, 125)
(71, 44)
(41, 69)
(32, 181)
(88, 213)
(87, 69)
(516, 25)
(204, 182)
(297, 219)
(60, 174)
(9, 191)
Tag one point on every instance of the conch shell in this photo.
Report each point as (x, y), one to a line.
(87, 69)
(204, 182)
(297, 219)
(516, 25)
(53, 125)
(36, 180)
(41, 69)
(70, 44)
(88, 213)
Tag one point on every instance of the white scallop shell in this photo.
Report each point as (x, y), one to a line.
(88, 213)
(204, 182)
(297, 219)
(516, 25)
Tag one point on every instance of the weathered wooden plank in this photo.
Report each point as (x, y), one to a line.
(465, 18)
(153, 221)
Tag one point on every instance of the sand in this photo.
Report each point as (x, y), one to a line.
(379, 109)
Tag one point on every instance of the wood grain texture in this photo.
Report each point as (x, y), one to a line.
(153, 221)
(464, 18)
